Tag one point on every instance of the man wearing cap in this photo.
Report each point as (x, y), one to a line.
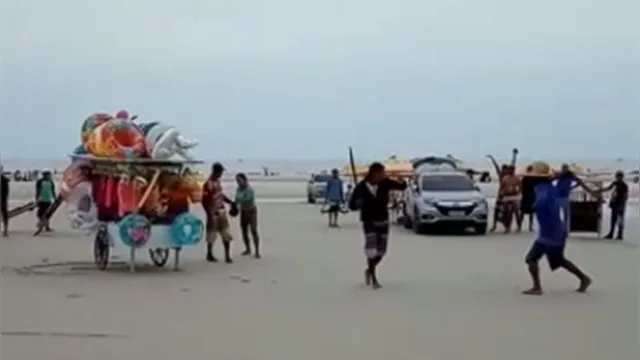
(551, 239)
(213, 200)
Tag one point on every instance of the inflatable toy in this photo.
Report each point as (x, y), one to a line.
(134, 230)
(186, 230)
(116, 139)
(122, 115)
(91, 123)
(164, 141)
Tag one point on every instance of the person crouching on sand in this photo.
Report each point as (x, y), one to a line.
(371, 197)
(213, 200)
(334, 197)
(45, 195)
(246, 202)
(552, 234)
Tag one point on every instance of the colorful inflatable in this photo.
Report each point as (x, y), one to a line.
(164, 141)
(91, 123)
(116, 139)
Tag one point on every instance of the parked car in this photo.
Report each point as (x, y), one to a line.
(445, 198)
(316, 187)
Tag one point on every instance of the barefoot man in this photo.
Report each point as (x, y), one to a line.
(551, 240)
(213, 200)
(371, 197)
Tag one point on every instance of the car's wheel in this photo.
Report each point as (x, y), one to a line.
(480, 229)
(311, 199)
(406, 219)
(417, 227)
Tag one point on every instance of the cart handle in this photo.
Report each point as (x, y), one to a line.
(147, 192)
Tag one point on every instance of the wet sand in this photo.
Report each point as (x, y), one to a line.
(443, 297)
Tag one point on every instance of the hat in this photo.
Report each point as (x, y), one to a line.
(540, 168)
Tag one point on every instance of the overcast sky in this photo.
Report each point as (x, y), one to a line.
(301, 78)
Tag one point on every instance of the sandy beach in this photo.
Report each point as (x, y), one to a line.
(443, 297)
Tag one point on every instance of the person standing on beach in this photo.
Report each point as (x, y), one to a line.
(4, 203)
(510, 195)
(501, 172)
(529, 182)
(213, 200)
(552, 234)
(566, 181)
(246, 202)
(371, 197)
(334, 197)
(45, 195)
(617, 204)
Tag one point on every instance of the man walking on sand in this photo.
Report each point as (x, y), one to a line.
(551, 240)
(371, 197)
(213, 200)
(334, 197)
(45, 195)
(4, 203)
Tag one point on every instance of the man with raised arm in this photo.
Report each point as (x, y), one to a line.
(371, 197)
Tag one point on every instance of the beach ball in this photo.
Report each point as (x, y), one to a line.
(134, 230)
(186, 230)
(92, 122)
(117, 139)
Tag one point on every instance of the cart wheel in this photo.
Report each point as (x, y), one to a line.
(101, 248)
(159, 256)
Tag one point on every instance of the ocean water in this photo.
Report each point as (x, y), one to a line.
(303, 168)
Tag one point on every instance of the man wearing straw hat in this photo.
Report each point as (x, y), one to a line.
(551, 239)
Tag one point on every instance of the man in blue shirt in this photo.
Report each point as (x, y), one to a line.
(334, 197)
(552, 236)
(566, 181)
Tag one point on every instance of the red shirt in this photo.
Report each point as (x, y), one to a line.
(212, 195)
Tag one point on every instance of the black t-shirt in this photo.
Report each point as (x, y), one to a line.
(620, 192)
(4, 188)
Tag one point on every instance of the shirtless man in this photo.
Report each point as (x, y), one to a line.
(213, 200)
(501, 171)
(511, 195)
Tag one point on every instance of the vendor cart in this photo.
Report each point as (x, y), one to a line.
(154, 231)
(585, 209)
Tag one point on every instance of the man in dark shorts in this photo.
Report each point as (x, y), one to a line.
(552, 236)
(4, 203)
(45, 195)
(371, 197)
(617, 204)
(334, 197)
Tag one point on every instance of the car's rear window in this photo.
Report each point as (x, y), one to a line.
(321, 178)
(447, 183)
